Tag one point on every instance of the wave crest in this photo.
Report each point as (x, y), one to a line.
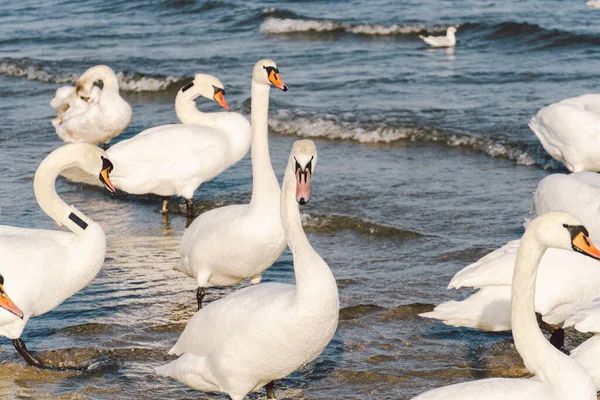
(277, 26)
(334, 223)
(329, 126)
(129, 82)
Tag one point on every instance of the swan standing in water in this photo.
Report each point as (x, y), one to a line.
(570, 131)
(558, 376)
(441, 41)
(176, 159)
(42, 268)
(262, 333)
(226, 245)
(89, 114)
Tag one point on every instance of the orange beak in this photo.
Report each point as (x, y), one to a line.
(8, 305)
(275, 79)
(582, 244)
(105, 178)
(219, 97)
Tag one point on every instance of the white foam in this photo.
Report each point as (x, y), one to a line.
(288, 25)
(127, 82)
(329, 126)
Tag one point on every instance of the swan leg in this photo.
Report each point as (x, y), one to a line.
(165, 205)
(31, 360)
(270, 390)
(557, 338)
(200, 295)
(189, 203)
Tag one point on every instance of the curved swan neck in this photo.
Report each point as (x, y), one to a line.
(265, 187)
(103, 73)
(45, 190)
(314, 279)
(540, 357)
(188, 112)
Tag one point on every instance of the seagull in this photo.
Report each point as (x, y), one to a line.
(441, 41)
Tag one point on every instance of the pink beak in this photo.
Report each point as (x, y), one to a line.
(303, 186)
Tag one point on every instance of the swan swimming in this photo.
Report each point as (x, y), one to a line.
(441, 41)
(42, 268)
(226, 245)
(252, 337)
(570, 132)
(558, 376)
(176, 159)
(89, 114)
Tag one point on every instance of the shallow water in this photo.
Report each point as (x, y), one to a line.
(425, 164)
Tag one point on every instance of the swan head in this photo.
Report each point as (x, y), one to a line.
(562, 230)
(94, 161)
(451, 30)
(266, 72)
(94, 76)
(303, 160)
(206, 86)
(6, 302)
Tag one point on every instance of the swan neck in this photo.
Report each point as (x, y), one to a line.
(539, 356)
(44, 186)
(265, 188)
(188, 112)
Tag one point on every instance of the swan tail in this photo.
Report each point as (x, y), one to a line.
(422, 37)
(189, 369)
(493, 269)
(488, 309)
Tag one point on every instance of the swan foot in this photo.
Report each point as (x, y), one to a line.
(189, 203)
(31, 360)
(270, 390)
(557, 338)
(199, 296)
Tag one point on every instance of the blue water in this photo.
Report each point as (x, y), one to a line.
(426, 163)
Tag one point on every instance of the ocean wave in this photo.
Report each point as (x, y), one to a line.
(329, 126)
(334, 223)
(278, 26)
(128, 81)
(526, 33)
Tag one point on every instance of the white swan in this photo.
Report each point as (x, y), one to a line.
(577, 193)
(569, 131)
(90, 114)
(587, 319)
(259, 334)
(593, 3)
(42, 268)
(441, 41)
(556, 295)
(558, 376)
(226, 245)
(176, 159)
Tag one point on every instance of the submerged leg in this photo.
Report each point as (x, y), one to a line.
(31, 360)
(557, 338)
(189, 203)
(165, 205)
(270, 390)
(199, 296)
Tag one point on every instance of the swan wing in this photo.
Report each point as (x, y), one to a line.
(240, 319)
(577, 193)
